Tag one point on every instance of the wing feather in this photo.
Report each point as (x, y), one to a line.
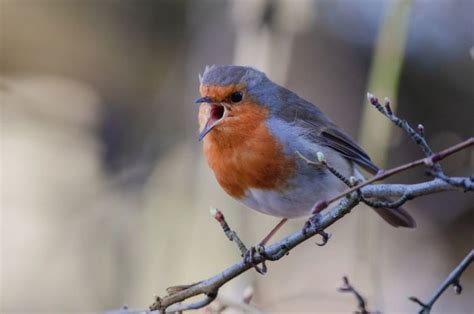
(323, 131)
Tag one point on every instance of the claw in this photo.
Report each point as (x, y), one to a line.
(311, 224)
(249, 258)
(325, 237)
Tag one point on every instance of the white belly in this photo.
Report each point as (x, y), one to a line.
(295, 202)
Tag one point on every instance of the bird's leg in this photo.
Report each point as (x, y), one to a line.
(312, 225)
(249, 256)
(273, 231)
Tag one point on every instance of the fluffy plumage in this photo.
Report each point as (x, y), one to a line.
(252, 148)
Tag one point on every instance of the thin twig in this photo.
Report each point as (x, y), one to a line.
(278, 250)
(281, 248)
(322, 162)
(417, 136)
(272, 252)
(231, 235)
(453, 279)
(347, 287)
(429, 161)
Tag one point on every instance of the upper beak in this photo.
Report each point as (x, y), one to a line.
(203, 99)
(215, 113)
(208, 126)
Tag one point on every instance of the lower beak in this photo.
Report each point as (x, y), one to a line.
(214, 114)
(207, 128)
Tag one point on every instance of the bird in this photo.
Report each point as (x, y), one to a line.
(254, 133)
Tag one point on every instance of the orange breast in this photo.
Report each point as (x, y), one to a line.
(243, 153)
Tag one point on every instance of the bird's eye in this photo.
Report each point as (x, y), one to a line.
(236, 96)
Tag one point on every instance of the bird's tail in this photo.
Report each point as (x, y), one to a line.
(397, 217)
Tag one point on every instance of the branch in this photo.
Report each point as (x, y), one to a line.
(356, 193)
(428, 161)
(453, 279)
(279, 249)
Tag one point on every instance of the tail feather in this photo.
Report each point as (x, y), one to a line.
(397, 217)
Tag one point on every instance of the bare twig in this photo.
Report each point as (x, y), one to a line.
(281, 248)
(347, 287)
(353, 181)
(273, 252)
(453, 279)
(322, 162)
(429, 161)
(432, 160)
(417, 136)
(231, 235)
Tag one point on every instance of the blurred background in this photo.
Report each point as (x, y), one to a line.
(105, 194)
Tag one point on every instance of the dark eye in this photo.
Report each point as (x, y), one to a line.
(236, 96)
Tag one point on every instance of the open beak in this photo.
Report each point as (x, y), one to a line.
(214, 113)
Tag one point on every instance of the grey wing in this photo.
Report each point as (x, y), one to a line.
(321, 130)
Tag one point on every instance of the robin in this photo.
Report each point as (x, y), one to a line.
(253, 130)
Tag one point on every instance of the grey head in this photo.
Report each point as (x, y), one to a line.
(223, 75)
(257, 85)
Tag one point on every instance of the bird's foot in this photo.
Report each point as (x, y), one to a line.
(250, 258)
(313, 225)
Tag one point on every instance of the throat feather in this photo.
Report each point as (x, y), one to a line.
(244, 154)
